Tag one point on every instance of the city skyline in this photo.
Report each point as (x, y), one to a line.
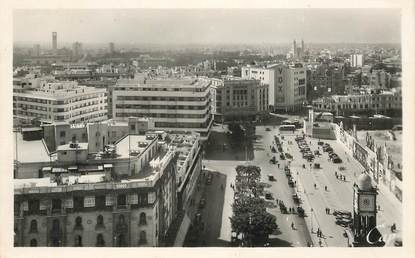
(212, 26)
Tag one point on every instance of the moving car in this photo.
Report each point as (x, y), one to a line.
(337, 160)
(271, 177)
(267, 129)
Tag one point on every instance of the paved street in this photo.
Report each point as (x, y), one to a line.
(339, 194)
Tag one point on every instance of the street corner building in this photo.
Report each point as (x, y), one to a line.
(127, 195)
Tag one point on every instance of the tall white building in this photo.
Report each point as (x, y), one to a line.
(356, 60)
(174, 104)
(287, 84)
(60, 102)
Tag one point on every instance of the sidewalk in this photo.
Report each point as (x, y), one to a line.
(181, 233)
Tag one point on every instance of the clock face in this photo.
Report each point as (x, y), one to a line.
(367, 203)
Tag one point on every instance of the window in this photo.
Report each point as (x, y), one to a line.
(78, 202)
(34, 206)
(33, 226)
(100, 240)
(100, 201)
(56, 204)
(121, 200)
(33, 242)
(143, 238)
(78, 223)
(143, 219)
(100, 221)
(78, 241)
(62, 133)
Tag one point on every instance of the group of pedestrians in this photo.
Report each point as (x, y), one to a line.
(327, 210)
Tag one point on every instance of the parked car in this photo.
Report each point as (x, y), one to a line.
(344, 222)
(342, 212)
(317, 165)
(300, 211)
(337, 160)
(268, 196)
(282, 156)
(320, 143)
(271, 177)
(267, 129)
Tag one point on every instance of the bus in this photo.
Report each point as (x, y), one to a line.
(287, 128)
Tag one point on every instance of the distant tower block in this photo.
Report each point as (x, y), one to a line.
(111, 47)
(54, 41)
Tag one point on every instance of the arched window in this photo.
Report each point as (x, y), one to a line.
(143, 238)
(78, 241)
(33, 226)
(100, 221)
(100, 240)
(143, 219)
(33, 242)
(78, 223)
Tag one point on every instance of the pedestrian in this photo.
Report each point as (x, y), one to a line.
(292, 225)
(325, 188)
(318, 232)
(315, 186)
(328, 211)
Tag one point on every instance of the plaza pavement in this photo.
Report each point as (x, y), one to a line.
(338, 196)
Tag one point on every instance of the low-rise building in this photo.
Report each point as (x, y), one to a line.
(385, 102)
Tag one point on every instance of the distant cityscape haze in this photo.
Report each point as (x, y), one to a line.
(208, 26)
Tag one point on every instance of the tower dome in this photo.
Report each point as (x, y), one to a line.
(364, 182)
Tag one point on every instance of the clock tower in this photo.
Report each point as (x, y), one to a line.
(365, 233)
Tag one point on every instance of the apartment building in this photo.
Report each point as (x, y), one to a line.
(54, 101)
(174, 104)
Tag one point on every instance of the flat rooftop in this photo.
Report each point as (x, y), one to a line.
(132, 143)
(80, 146)
(29, 151)
(185, 82)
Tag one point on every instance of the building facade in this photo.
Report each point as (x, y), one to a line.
(173, 104)
(60, 102)
(356, 60)
(54, 41)
(387, 102)
(289, 91)
(123, 200)
(240, 99)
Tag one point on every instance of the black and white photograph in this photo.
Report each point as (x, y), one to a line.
(230, 128)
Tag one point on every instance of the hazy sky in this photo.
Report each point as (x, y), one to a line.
(209, 26)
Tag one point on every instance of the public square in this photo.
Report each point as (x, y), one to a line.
(310, 186)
